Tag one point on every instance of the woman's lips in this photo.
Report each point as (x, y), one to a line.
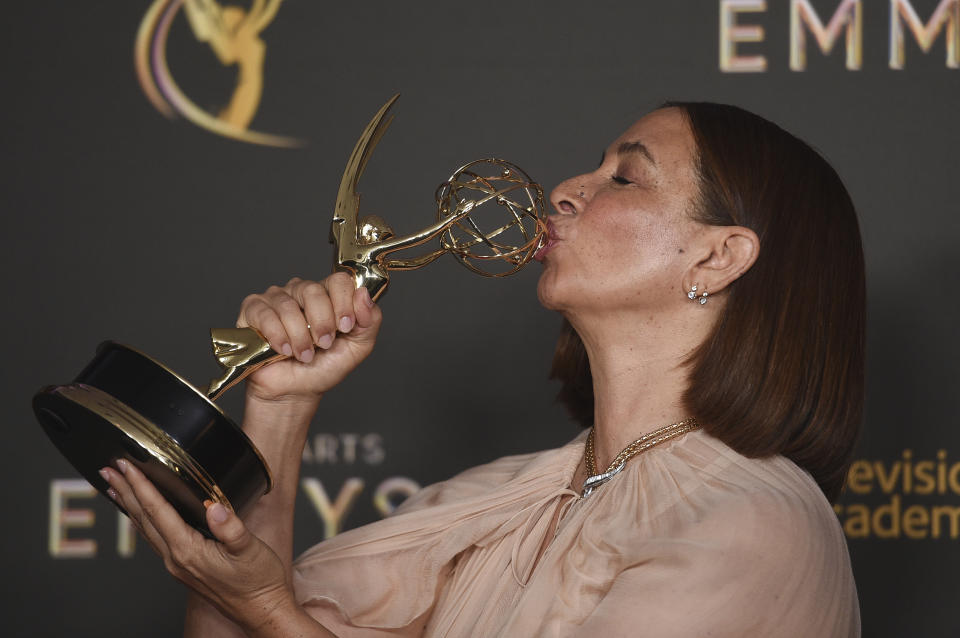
(547, 246)
(544, 249)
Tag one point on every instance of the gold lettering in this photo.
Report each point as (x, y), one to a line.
(893, 511)
(945, 17)
(942, 472)
(923, 471)
(62, 519)
(953, 513)
(954, 483)
(384, 499)
(848, 15)
(857, 524)
(887, 481)
(907, 476)
(732, 33)
(915, 521)
(860, 477)
(333, 514)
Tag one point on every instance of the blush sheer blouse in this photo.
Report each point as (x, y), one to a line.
(691, 539)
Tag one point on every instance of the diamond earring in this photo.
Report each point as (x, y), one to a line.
(692, 295)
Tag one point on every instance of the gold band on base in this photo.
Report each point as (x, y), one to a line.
(147, 435)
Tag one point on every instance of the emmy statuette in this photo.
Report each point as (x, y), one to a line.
(125, 404)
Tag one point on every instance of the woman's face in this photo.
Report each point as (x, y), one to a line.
(619, 238)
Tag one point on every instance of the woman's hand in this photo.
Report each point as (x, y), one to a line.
(240, 575)
(328, 328)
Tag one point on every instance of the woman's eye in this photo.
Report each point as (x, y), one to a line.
(620, 180)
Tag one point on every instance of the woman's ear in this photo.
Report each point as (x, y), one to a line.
(730, 252)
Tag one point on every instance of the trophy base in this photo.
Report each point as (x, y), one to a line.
(126, 405)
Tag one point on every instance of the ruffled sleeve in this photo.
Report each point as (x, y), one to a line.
(383, 579)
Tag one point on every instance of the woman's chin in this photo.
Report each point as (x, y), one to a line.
(547, 292)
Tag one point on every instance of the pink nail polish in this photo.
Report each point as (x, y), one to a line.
(218, 513)
(122, 466)
(307, 356)
(287, 350)
(325, 341)
(105, 474)
(346, 324)
(112, 493)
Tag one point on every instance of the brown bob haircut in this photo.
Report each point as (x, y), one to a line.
(782, 372)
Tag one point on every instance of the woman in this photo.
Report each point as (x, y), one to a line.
(710, 267)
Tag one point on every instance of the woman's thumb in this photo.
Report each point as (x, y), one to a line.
(228, 528)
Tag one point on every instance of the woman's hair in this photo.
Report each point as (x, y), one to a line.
(782, 370)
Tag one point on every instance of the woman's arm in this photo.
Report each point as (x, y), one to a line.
(271, 518)
(242, 585)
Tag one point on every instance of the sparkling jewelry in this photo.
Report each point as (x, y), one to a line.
(645, 442)
(692, 295)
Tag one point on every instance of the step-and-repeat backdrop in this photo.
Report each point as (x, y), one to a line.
(164, 158)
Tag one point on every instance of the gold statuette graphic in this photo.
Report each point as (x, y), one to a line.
(233, 34)
(124, 404)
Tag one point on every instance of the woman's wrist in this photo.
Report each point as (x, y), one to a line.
(277, 424)
(282, 616)
(288, 408)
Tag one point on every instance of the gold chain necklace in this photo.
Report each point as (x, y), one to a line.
(645, 442)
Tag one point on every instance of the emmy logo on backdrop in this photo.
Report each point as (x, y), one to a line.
(233, 34)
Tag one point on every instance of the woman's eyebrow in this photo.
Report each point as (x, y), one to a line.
(636, 147)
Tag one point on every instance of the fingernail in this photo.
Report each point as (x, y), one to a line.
(105, 474)
(307, 355)
(218, 513)
(122, 466)
(365, 296)
(207, 503)
(346, 323)
(287, 350)
(112, 493)
(325, 341)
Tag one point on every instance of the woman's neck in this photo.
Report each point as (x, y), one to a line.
(639, 377)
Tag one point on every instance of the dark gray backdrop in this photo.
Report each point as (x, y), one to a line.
(122, 224)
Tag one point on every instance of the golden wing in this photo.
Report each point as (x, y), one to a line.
(206, 21)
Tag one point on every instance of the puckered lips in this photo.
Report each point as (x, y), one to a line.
(547, 246)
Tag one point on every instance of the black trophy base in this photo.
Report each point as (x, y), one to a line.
(125, 405)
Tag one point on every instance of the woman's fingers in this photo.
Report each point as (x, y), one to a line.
(121, 492)
(368, 314)
(240, 575)
(341, 288)
(317, 308)
(304, 315)
(229, 529)
(257, 312)
(294, 323)
(153, 511)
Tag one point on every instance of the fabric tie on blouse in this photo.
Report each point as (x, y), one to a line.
(536, 513)
(690, 538)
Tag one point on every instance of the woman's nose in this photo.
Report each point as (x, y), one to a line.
(568, 197)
